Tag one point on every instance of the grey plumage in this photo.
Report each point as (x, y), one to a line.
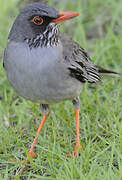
(37, 74)
(78, 61)
(46, 66)
(42, 64)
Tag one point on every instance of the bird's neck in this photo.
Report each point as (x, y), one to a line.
(48, 38)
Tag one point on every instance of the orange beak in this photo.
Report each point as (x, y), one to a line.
(63, 16)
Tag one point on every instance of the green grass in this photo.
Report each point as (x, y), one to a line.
(99, 31)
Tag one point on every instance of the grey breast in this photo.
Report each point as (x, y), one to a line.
(39, 74)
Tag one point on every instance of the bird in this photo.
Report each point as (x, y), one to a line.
(46, 66)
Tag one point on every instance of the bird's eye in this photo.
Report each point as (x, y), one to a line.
(37, 20)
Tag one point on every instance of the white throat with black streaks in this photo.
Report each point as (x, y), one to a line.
(46, 39)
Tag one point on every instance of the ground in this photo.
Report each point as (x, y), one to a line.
(99, 31)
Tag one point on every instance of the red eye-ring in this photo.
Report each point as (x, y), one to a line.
(37, 20)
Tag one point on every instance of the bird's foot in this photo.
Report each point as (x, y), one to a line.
(31, 154)
(16, 160)
(77, 151)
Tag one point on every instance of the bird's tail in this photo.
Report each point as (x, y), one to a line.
(108, 72)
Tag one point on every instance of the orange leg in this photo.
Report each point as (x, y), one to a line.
(31, 151)
(77, 146)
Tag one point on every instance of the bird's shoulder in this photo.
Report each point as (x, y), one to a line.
(72, 49)
(79, 62)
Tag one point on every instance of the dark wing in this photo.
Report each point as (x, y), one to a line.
(79, 63)
(108, 72)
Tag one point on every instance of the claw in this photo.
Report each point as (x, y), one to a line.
(76, 151)
(15, 160)
(32, 154)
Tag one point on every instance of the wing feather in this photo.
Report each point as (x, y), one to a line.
(79, 63)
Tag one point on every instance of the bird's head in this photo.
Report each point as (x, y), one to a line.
(37, 24)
